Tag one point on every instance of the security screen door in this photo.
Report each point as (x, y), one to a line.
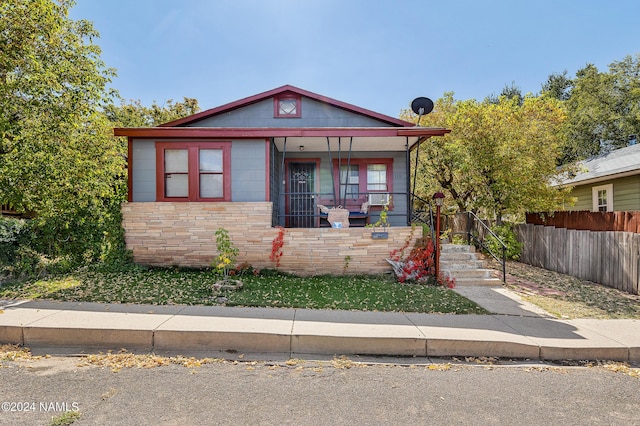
(301, 195)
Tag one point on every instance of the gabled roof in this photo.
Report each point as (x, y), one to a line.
(287, 89)
(617, 163)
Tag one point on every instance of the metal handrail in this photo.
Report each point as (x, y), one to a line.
(476, 239)
(431, 227)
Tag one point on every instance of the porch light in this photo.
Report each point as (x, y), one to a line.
(438, 197)
(301, 147)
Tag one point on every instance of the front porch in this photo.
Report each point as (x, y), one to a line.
(370, 176)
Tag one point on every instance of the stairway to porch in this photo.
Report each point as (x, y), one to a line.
(467, 266)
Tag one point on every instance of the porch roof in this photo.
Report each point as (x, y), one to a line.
(312, 139)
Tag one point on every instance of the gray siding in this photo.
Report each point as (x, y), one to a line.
(314, 114)
(626, 194)
(143, 171)
(248, 171)
(397, 216)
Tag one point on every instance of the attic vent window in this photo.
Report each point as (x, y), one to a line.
(287, 106)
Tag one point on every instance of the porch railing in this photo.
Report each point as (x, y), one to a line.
(477, 232)
(301, 209)
(422, 213)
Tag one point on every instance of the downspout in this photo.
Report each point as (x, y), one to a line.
(333, 177)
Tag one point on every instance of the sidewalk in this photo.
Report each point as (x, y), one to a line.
(514, 330)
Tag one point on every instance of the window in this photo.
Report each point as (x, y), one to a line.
(364, 176)
(376, 177)
(602, 198)
(176, 173)
(349, 181)
(287, 106)
(194, 171)
(211, 173)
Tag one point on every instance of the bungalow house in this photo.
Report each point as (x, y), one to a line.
(608, 182)
(267, 168)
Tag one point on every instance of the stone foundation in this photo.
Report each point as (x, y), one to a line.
(182, 234)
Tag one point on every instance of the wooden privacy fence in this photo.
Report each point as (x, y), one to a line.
(586, 220)
(610, 258)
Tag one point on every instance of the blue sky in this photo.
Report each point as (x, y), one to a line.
(376, 54)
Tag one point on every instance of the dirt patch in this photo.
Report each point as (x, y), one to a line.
(569, 297)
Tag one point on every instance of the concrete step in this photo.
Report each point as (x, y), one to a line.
(471, 264)
(470, 273)
(466, 266)
(458, 256)
(457, 248)
(466, 282)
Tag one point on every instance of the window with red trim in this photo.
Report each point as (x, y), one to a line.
(287, 106)
(193, 171)
(363, 176)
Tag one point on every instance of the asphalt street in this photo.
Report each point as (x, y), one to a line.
(317, 393)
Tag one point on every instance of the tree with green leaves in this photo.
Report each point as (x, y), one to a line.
(603, 108)
(499, 158)
(509, 92)
(558, 86)
(135, 114)
(58, 158)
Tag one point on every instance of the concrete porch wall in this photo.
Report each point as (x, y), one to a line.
(182, 234)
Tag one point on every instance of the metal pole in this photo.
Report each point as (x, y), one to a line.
(408, 172)
(340, 202)
(333, 178)
(346, 185)
(504, 264)
(284, 184)
(415, 174)
(437, 242)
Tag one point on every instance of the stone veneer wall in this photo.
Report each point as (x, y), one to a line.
(182, 234)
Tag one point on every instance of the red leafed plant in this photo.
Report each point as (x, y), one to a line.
(419, 266)
(276, 246)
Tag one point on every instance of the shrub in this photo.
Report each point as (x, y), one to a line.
(276, 247)
(419, 266)
(11, 233)
(508, 237)
(227, 253)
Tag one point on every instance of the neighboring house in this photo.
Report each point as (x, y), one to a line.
(609, 182)
(267, 161)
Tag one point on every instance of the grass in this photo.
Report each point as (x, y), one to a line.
(194, 287)
(65, 419)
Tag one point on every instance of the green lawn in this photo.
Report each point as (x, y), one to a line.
(189, 287)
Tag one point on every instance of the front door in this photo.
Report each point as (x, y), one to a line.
(301, 198)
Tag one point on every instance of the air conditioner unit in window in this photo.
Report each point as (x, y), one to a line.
(378, 199)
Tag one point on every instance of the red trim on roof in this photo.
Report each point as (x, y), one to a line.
(234, 132)
(280, 90)
(423, 131)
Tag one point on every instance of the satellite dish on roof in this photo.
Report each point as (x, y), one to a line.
(421, 106)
